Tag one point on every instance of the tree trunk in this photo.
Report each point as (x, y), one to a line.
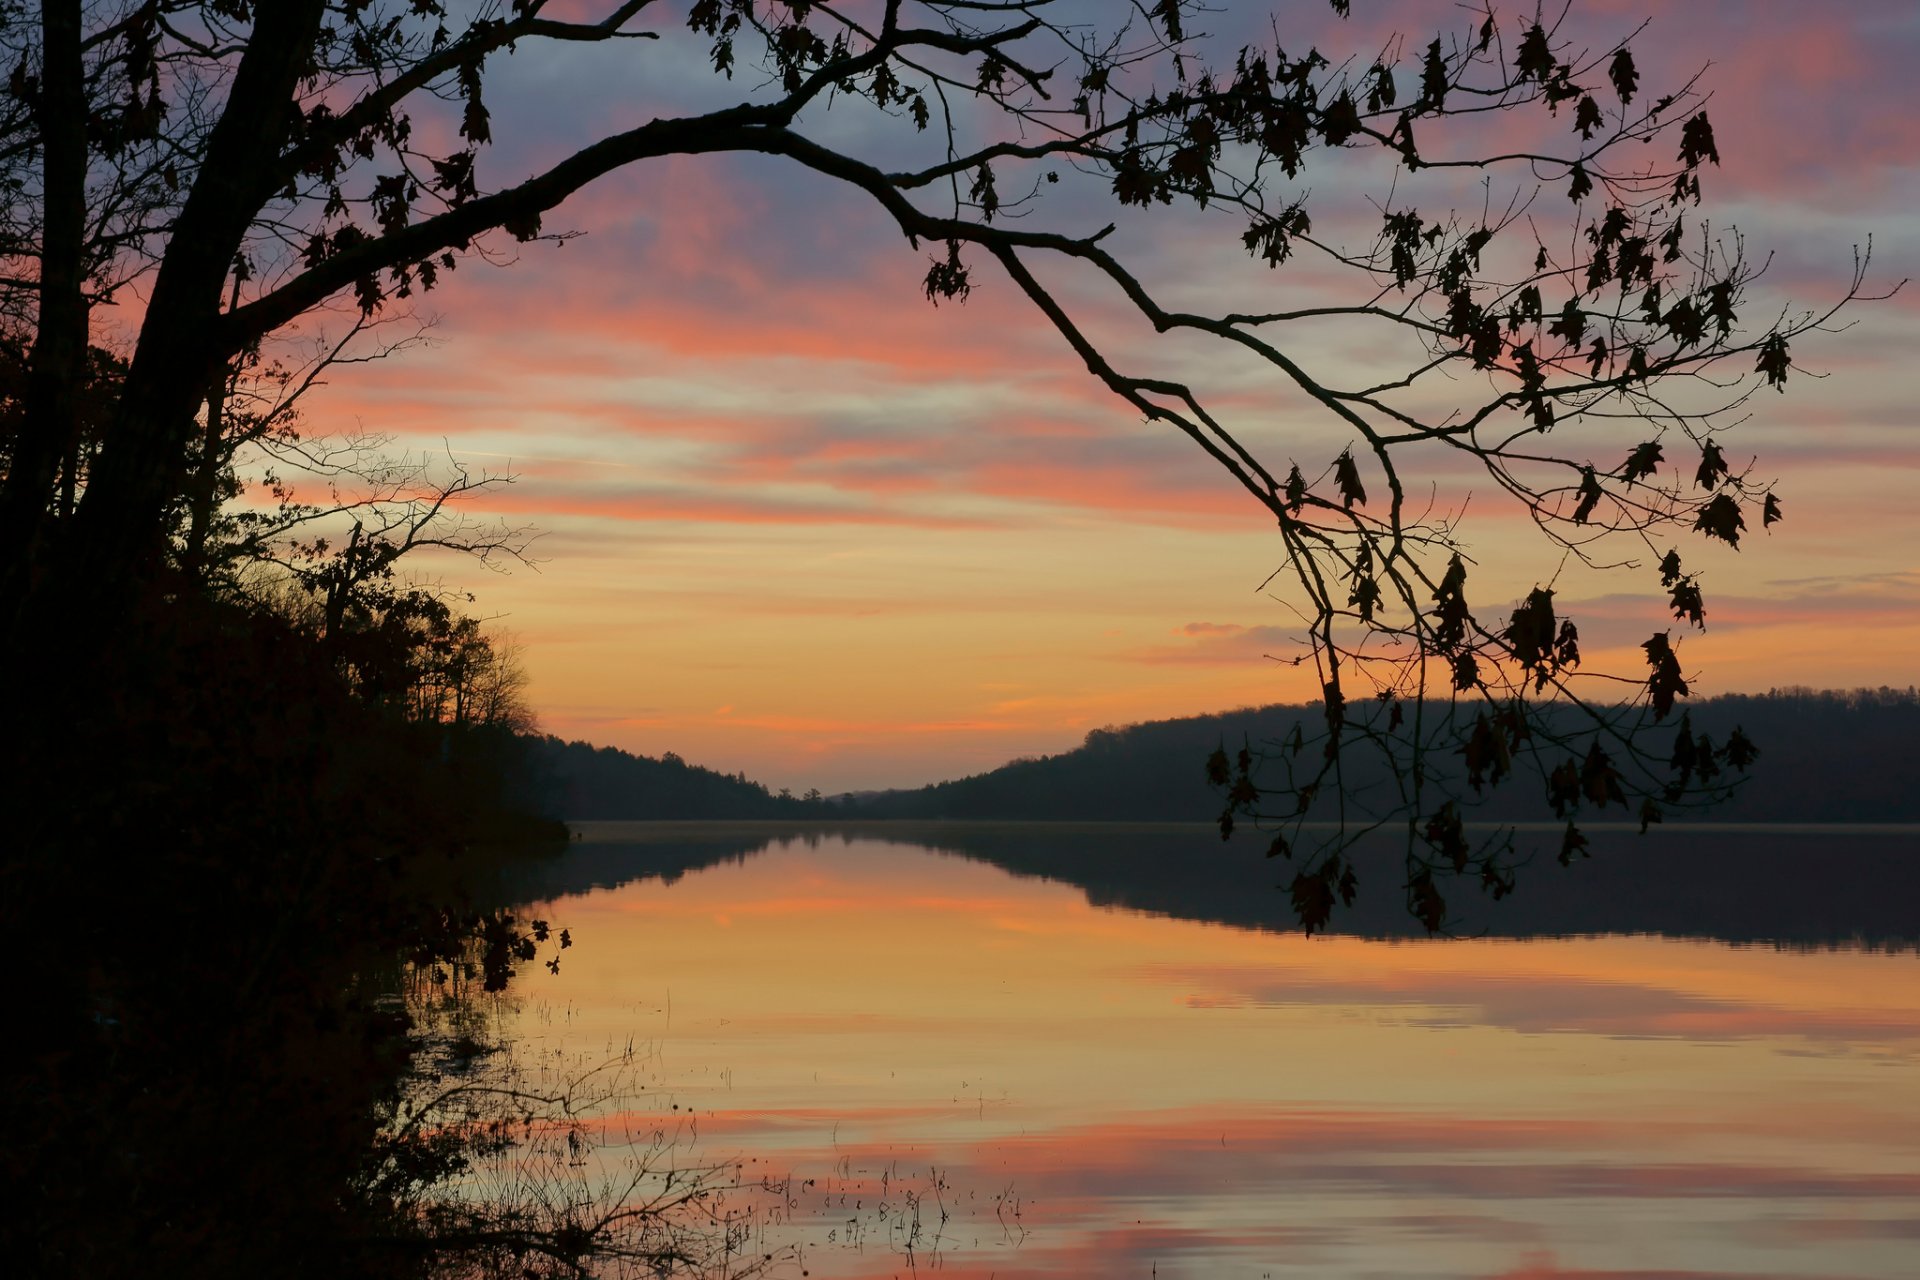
(59, 362)
(205, 488)
(141, 467)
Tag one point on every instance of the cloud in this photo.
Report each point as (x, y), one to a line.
(1845, 601)
(654, 503)
(737, 357)
(1222, 644)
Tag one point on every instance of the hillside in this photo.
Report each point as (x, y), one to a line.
(582, 782)
(1825, 757)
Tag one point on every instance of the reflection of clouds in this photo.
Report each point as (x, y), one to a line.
(1542, 1265)
(1194, 1152)
(1539, 1003)
(1207, 1187)
(1148, 1248)
(1842, 1225)
(1361, 1109)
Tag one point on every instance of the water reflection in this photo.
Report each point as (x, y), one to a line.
(941, 1063)
(1808, 886)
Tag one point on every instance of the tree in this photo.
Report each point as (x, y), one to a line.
(245, 164)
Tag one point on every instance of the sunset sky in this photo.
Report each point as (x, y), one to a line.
(799, 522)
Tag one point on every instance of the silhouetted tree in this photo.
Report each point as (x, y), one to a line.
(247, 164)
(242, 164)
(250, 163)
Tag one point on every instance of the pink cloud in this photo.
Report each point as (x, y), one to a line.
(649, 505)
(1215, 644)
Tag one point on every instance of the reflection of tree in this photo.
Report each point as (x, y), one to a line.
(488, 1165)
(1740, 886)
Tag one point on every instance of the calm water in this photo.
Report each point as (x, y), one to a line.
(941, 1065)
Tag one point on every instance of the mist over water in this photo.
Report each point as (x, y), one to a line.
(1028, 1051)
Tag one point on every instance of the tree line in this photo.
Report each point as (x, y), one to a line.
(581, 782)
(1831, 756)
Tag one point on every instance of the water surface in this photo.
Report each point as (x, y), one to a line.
(943, 1064)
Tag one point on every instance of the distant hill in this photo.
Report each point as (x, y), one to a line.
(582, 782)
(1825, 757)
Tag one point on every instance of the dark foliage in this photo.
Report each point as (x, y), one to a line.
(583, 782)
(220, 859)
(1828, 757)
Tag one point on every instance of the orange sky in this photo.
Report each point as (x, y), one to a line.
(798, 522)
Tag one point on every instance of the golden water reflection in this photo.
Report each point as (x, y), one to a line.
(1086, 1091)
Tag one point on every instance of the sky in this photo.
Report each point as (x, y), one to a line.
(796, 521)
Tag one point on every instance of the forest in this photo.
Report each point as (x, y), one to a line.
(1824, 756)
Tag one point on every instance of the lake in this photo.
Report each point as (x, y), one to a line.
(1034, 1051)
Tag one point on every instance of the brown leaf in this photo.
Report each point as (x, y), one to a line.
(1347, 476)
